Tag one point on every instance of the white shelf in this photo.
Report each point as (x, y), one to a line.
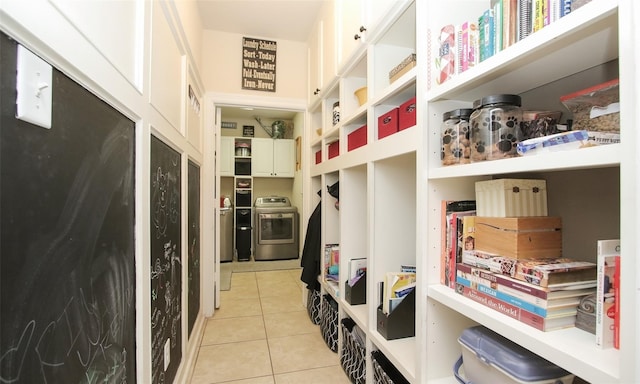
(401, 353)
(331, 287)
(401, 143)
(585, 158)
(359, 313)
(572, 348)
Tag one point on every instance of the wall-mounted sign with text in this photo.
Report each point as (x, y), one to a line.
(258, 64)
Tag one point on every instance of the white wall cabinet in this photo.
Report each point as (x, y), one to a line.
(391, 188)
(350, 29)
(273, 157)
(315, 62)
(322, 55)
(226, 156)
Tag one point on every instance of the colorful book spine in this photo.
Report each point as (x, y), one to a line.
(485, 25)
(455, 242)
(616, 320)
(509, 22)
(473, 52)
(536, 321)
(539, 9)
(539, 295)
(502, 296)
(565, 7)
(446, 208)
(525, 8)
(496, 6)
(608, 255)
(446, 58)
(463, 47)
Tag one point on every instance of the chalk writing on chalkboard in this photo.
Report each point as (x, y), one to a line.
(67, 265)
(166, 281)
(193, 285)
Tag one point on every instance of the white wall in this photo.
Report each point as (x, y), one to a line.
(221, 66)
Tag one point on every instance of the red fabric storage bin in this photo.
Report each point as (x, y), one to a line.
(334, 149)
(407, 114)
(319, 157)
(388, 123)
(357, 138)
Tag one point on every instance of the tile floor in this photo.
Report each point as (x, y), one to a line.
(261, 334)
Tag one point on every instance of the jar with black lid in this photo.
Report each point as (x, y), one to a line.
(335, 117)
(455, 143)
(495, 127)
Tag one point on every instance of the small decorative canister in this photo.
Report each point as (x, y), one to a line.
(495, 128)
(336, 112)
(455, 143)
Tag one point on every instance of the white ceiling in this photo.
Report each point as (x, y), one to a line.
(268, 19)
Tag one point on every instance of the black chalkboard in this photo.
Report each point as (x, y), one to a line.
(67, 262)
(194, 243)
(166, 268)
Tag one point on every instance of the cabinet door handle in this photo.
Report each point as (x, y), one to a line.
(361, 29)
(316, 91)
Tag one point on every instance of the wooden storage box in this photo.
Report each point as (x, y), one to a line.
(388, 123)
(357, 138)
(511, 198)
(520, 237)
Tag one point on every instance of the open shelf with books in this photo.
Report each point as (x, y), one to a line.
(586, 187)
(397, 182)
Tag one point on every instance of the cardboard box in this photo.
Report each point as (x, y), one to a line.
(357, 138)
(388, 123)
(491, 358)
(407, 114)
(319, 157)
(334, 149)
(520, 237)
(511, 198)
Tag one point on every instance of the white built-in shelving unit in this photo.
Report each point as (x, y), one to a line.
(391, 188)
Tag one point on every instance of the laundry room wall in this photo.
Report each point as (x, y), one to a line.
(221, 66)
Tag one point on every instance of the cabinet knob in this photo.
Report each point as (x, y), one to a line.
(356, 36)
(362, 28)
(316, 91)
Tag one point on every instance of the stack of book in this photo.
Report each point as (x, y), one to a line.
(543, 293)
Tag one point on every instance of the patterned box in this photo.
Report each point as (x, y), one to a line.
(511, 198)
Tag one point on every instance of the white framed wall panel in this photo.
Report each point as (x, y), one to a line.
(194, 111)
(166, 68)
(121, 46)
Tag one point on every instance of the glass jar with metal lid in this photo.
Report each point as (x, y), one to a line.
(495, 127)
(455, 143)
